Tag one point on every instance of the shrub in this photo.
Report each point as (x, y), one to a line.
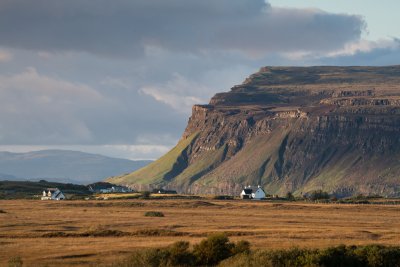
(2, 211)
(214, 249)
(340, 256)
(241, 247)
(223, 197)
(179, 254)
(289, 196)
(15, 262)
(153, 257)
(154, 214)
(376, 255)
(146, 194)
(319, 194)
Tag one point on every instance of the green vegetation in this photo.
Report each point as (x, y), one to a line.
(319, 195)
(146, 194)
(166, 167)
(29, 190)
(340, 256)
(154, 214)
(15, 262)
(217, 250)
(290, 196)
(208, 252)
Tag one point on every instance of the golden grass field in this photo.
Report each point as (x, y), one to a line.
(24, 225)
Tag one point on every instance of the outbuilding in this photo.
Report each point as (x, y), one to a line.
(259, 194)
(246, 193)
(252, 193)
(52, 194)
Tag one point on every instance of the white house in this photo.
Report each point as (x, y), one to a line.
(52, 194)
(246, 193)
(250, 193)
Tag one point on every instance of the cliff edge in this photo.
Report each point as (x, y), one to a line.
(294, 129)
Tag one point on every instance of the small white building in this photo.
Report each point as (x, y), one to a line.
(246, 193)
(52, 194)
(259, 194)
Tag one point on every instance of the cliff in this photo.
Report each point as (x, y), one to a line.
(294, 129)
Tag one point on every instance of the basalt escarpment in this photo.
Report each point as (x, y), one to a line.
(290, 129)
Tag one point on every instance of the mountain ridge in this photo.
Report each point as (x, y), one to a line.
(63, 166)
(292, 129)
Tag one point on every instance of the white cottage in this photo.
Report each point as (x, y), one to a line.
(259, 194)
(246, 193)
(52, 194)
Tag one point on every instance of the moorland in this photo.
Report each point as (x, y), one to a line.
(96, 232)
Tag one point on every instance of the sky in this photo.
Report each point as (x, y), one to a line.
(119, 78)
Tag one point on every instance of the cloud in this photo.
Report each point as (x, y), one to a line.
(5, 56)
(367, 53)
(40, 109)
(179, 93)
(365, 46)
(127, 28)
(121, 76)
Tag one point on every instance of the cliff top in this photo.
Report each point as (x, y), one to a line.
(305, 86)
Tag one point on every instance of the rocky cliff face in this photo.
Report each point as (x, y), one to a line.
(290, 129)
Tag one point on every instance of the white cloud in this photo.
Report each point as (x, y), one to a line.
(179, 93)
(364, 46)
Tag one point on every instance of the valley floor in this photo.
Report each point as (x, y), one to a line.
(87, 233)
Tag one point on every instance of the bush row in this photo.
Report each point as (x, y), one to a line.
(339, 256)
(209, 252)
(217, 250)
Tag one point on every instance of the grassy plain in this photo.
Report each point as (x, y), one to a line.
(86, 233)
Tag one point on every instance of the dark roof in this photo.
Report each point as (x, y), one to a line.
(58, 194)
(248, 191)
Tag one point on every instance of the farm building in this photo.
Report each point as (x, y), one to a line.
(249, 193)
(246, 193)
(103, 187)
(259, 193)
(52, 194)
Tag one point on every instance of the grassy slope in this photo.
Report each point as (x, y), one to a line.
(251, 160)
(201, 166)
(156, 172)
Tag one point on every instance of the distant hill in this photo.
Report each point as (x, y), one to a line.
(290, 129)
(63, 166)
(27, 189)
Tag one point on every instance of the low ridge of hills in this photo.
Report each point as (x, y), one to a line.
(63, 166)
(290, 129)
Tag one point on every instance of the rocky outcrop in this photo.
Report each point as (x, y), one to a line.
(290, 129)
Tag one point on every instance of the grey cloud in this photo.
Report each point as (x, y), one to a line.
(126, 28)
(124, 73)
